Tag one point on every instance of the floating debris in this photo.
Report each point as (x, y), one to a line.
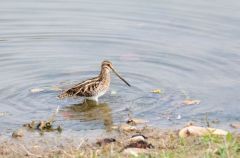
(179, 117)
(191, 102)
(55, 88)
(105, 141)
(200, 131)
(52, 88)
(156, 91)
(44, 125)
(235, 125)
(113, 92)
(36, 90)
(3, 114)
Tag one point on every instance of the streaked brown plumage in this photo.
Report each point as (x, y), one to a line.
(95, 87)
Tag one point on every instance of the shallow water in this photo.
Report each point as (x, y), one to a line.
(188, 49)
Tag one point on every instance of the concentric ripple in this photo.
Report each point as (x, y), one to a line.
(185, 49)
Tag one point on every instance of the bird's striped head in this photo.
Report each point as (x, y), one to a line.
(107, 65)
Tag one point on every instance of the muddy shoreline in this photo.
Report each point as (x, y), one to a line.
(133, 139)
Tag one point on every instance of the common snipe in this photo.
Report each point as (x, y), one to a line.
(95, 87)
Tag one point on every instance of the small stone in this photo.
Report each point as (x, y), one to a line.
(235, 125)
(59, 129)
(135, 121)
(18, 133)
(127, 128)
(189, 124)
(200, 131)
(114, 127)
(136, 138)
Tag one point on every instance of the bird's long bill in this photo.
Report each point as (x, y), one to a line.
(121, 77)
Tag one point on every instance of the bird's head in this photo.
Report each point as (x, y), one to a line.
(107, 65)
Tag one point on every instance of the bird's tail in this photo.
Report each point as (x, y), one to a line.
(62, 95)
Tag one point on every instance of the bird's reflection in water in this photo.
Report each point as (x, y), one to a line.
(89, 111)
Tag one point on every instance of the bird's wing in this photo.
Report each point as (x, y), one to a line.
(84, 88)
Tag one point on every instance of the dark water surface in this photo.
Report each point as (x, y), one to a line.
(188, 49)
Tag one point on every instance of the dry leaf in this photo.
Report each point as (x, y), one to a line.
(200, 131)
(114, 127)
(191, 102)
(55, 88)
(157, 91)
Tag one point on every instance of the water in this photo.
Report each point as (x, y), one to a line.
(188, 49)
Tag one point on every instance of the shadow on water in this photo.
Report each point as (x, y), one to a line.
(89, 111)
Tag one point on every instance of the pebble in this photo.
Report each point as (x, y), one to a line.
(18, 133)
(127, 128)
(136, 138)
(235, 125)
(200, 131)
(136, 121)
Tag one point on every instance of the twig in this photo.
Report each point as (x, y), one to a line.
(28, 152)
(13, 149)
(206, 119)
(80, 144)
(67, 153)
(51, 119)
